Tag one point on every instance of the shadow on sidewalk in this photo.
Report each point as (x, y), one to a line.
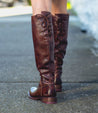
(73, 91)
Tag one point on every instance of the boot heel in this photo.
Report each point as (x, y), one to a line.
(58, 88)
(49, 100)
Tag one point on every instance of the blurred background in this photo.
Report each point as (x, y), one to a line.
(17, 62)
(85, 10)
(87, 13)
(83, 14)
(11, 3)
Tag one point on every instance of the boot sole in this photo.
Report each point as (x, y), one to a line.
(33, 98)
(58, 88)
(49, 100)
(46, 100)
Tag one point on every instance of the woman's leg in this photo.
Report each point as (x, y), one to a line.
(49, 5)
(59, 6)
(41, 5)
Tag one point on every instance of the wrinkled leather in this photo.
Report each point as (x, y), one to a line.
(60, 25)
(43, 39)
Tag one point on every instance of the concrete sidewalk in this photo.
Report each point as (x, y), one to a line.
(18, 70)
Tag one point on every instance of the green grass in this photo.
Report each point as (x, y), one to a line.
(29, 2)
(69, 6)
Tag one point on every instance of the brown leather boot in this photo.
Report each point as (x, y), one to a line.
(43, 39)
(60, 25)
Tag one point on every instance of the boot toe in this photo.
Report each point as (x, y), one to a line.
(33, 93)
(33, 89)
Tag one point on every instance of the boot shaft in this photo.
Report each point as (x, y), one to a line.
(43, 40)
(60, 25)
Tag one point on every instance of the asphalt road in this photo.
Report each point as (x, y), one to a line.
(18, 70)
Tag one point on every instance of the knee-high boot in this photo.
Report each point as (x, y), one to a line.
(60, 25)
(43, 39)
